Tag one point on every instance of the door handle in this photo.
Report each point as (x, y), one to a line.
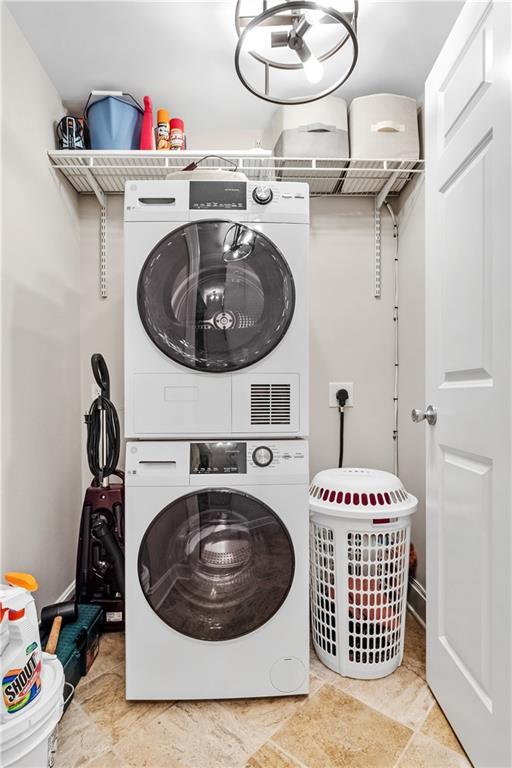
(430, 415)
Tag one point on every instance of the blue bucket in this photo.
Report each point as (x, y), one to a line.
(113, 122)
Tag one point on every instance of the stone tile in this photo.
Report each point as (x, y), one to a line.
(270, 756)
(149, 746)
(78, 740)
(319, 669)
(103, 700)
(424, 752)
(402, 695)
(264, 716)
(334, 730)
(415, 647)
(203, 734)
(110, 656)
(107, 760)
(437, 727)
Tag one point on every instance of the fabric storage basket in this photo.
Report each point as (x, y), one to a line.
(359, 541)
(319, 130)
(381, 127)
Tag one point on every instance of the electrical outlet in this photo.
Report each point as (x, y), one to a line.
(333, 388)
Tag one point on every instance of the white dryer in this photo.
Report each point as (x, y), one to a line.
(216, 309)
(216, 569)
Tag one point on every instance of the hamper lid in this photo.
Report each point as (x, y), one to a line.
(360, 493)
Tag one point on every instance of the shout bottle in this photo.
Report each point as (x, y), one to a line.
(21, 656)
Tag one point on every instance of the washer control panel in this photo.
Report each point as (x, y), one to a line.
(219, 463)
(228, 457)
(218, 458)
(262, 456)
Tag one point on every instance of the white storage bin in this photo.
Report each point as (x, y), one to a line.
(359, 541)
(381, 127)
(315, 130)
(28, 737)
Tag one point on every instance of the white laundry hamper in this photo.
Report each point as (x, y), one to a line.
(359, 538)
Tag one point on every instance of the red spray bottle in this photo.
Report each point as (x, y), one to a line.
(147, 134)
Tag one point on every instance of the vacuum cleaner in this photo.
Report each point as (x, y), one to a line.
(100, 557)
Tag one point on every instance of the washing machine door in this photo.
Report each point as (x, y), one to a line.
(216, 564)
(216, 295)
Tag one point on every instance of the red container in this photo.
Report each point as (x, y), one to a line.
(147, 135)
(177, 131)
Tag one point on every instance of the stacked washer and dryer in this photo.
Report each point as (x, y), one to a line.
(216, 412)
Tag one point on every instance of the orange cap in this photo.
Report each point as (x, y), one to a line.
(162, 116)
(25, 580)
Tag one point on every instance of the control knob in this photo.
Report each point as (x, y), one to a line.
(262, 195)
(262, 456)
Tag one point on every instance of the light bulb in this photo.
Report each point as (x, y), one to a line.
(313, 69)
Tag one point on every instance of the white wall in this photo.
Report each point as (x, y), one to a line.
(351, 332)
(101, 327)
(41, 482)
(412, 355)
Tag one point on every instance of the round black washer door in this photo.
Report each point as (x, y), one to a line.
(216, 296)
(216, 564)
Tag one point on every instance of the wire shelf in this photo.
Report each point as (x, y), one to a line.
(107, 171)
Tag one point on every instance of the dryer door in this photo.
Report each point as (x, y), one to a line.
(216, 295)
(216, 564)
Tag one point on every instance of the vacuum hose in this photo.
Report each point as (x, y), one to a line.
(103, 432)
(102, 532)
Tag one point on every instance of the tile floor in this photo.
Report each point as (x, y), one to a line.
(343, 723)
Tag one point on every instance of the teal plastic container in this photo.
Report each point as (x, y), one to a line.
(79, 642)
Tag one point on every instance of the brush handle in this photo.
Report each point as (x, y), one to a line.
(51, 645)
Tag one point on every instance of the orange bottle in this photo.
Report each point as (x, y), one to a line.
(162, 130)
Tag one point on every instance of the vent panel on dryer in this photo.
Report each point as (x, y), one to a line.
(270, 404)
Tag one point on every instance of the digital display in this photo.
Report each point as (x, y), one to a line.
(218, 458)
(218, 195)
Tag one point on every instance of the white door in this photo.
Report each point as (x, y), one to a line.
(468, 210)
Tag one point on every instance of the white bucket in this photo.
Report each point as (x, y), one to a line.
(26, 739)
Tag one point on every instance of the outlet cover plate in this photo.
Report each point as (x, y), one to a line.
(333, 388)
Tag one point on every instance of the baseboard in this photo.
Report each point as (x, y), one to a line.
(417, 600)
(67, 594)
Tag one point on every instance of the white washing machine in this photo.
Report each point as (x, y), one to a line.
(216, 309)
(216, 569)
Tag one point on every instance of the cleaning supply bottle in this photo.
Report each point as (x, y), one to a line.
(21, 657)
(147, 135)
(162, 130)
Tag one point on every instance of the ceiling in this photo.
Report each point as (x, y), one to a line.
(181, 54)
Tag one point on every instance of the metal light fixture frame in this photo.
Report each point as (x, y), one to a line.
(348, 21)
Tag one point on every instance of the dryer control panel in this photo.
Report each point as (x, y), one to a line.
(218, 195)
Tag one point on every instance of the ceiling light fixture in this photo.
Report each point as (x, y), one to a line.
(286, 26)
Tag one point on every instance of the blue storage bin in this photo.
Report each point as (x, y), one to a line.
(113, 122)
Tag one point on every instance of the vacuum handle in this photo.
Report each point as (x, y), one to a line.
(101, 374)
